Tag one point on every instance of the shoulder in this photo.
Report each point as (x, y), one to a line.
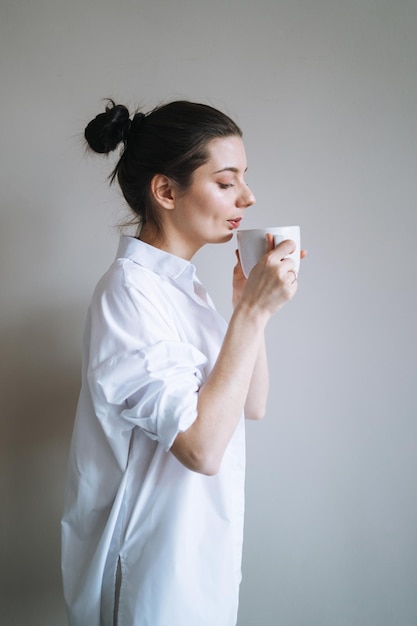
(126, 284)
(131, 298)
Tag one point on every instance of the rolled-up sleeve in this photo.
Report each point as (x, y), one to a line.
(141, 372)
(154, 388)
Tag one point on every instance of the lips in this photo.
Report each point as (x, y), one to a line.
(235, 223)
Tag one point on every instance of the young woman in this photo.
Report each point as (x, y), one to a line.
(153, 519)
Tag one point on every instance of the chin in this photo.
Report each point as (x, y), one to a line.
(225, 238)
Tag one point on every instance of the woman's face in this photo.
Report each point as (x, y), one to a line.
(212, 207)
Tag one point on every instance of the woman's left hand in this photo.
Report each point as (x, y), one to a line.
(239, 280)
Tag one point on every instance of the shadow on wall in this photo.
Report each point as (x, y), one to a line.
(40, 390)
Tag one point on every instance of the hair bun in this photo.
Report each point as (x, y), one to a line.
(108, 129)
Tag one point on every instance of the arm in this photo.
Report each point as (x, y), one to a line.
(257, 396)
(255, 405)
(223, 396)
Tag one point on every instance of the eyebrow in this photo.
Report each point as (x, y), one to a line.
(229, 169)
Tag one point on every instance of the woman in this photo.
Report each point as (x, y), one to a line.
(153, 520)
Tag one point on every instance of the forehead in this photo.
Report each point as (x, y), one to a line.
(226, 152)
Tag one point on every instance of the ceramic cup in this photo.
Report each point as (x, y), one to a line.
(252, 244)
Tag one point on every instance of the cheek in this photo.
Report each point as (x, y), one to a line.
(209, 203)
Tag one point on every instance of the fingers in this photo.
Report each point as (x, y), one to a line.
(238, 265)
(273, 281)
(289, 274)
(269, 242)
(292, 276)
(280, 253)
(285, 247)
(282, 268)
(237, 270)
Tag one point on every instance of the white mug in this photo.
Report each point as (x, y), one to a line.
(252, 244)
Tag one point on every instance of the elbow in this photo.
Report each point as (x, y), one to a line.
(205, 464)
(209, 469)
(196, 458)
(255, 414)
(256, 417)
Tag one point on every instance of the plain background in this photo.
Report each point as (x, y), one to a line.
(326, 93)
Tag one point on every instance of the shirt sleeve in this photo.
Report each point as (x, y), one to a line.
(140, 373)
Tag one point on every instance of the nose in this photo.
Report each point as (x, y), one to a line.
(246, 198)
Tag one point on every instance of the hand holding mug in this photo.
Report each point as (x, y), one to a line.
(252, 245)
(270, 257)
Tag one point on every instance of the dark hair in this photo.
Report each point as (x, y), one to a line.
(171, 140)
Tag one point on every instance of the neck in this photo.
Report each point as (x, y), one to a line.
(172, 244)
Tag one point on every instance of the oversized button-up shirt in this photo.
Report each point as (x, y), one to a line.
(145, 541)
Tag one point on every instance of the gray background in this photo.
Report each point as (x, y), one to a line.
(326, 93)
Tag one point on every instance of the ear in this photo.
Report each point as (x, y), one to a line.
(162, 190)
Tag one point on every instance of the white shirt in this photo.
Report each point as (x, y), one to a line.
(145, 541)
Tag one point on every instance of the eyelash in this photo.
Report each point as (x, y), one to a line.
(225, 185)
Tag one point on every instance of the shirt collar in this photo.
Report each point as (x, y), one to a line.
(154, 259)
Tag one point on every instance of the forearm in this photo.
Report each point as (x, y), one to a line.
(234, 380)
(255, 405)
(223, 396)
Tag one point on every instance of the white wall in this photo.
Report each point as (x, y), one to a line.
(326, 93)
